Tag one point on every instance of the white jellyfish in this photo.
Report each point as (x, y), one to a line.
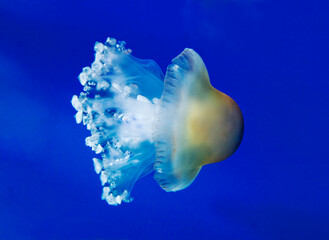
(141, 120)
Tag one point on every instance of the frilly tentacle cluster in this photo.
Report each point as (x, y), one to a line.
(119, 114)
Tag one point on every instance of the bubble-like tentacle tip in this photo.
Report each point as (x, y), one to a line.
(119, 114)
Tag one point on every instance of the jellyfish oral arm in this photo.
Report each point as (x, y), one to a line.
(118, 106)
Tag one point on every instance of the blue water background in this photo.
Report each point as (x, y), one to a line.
(272, 57)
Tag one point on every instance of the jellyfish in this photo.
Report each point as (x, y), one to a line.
(142, 121)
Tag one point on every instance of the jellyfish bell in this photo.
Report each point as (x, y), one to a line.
(196, 124)
(141, 120)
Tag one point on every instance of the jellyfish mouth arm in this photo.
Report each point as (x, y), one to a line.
(118, 107)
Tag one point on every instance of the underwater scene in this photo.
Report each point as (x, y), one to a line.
(118, 116)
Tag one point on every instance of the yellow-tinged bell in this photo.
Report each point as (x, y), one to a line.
(196, 124)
